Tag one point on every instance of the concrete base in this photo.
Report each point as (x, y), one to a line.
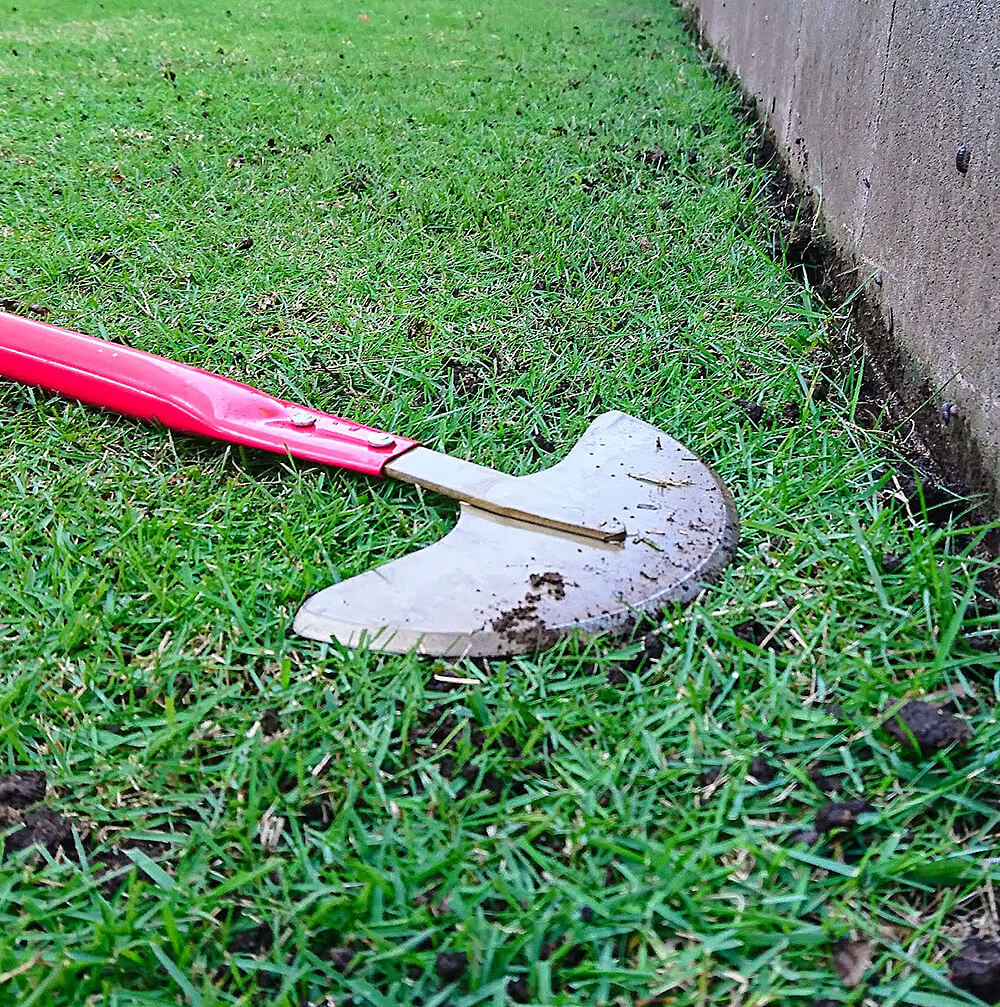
(888, 113)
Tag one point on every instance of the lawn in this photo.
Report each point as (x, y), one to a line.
(479, 227)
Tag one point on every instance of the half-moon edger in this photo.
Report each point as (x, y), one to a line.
(627, 522)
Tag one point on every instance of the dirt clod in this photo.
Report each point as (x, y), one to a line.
(113, 865)
(465, 377)
(753, 411)
(891, 562)
(653, 646)
(616, 675)
(791, 414)
(976, 969)
(253, 941)
(709, 776)
(799, 245)
(108, 864)
(827, 784)
(270, 722)
(756, 632)
(852, 959)
(542, 444)
(450, 965)
(762, 770)
(982, 643)
(9, 816)
(41, 827)
(655, 158)
(924, 727)
(340, 957)
(518, 990)
(941, 501)
(841, 814)
(16, 307)
(21, 790)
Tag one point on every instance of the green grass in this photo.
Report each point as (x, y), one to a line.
(456, 235)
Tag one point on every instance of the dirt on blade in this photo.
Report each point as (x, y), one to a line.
(521, 624)
(519, 618)
(551, 580)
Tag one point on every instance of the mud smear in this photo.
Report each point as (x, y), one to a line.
(520, 625)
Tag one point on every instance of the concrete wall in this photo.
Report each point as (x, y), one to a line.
(870, 101)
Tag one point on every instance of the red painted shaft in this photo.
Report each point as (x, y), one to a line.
(185, 399)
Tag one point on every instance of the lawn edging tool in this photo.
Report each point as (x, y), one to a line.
(627, 522)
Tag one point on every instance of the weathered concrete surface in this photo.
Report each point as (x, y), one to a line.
(870, 101)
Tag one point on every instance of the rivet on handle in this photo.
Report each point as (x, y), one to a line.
(300, 418)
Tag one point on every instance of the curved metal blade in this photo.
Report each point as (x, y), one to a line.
(495, 587)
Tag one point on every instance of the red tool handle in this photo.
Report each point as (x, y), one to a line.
(185, 398)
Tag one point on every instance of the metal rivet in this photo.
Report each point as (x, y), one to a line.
(300, 418)
(377, 440)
